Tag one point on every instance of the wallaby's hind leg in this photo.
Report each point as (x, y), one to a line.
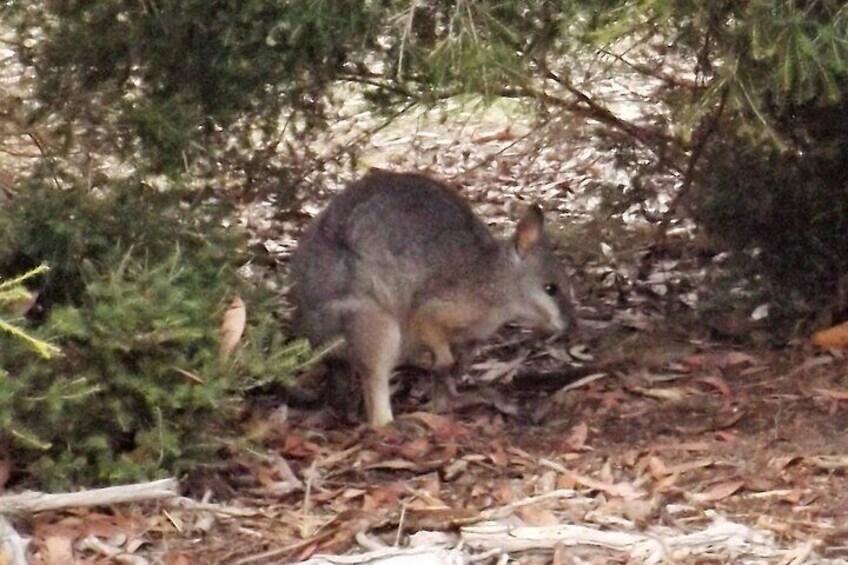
(375, 341)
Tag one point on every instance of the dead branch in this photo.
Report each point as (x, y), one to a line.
(32, 502)
(656, 546)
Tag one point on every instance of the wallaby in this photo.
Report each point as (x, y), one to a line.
(399, 266)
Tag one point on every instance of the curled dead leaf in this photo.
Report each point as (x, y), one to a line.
(232, 327)
(717, 383)
(576, 440)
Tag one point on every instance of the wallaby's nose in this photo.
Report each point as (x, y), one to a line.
(564, 326)
(558, 325)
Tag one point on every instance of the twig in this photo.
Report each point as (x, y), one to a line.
(32, 502)
(504, 511)
(407, 31)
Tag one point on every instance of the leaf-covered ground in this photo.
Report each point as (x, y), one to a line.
(656, 436)
(678, 439)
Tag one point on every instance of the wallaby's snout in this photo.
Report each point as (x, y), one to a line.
(401, 268)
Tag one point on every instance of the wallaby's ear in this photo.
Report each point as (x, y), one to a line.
(530, 230)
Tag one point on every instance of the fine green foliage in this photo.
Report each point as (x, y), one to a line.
(136, 302)
(763, 131)
(756, 58)
(166, 78)
(13, 293)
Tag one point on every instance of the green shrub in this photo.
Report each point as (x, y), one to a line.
(136, 299)
(786, 208)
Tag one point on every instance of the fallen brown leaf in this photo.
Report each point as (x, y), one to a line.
(780, 463)
(728, 436)
(296, 446)
(57, 550)
(536, 516)
(670, 394)
(720, 359)
(681, 446)
(831, 394)
(812, 363)
(621, 489)
(443, 427)
(828, 462)
(576, 440)
(681, 468)
(657, 467)
(666, 483)
(836, 336)
(717, 383)
(717, 492)
(416, 449)
(498, 455)
(179, 559)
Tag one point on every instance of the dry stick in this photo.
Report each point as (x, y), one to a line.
(40, 145)
(650, 138)
(695, 156)
(507, 510)
(32, 502)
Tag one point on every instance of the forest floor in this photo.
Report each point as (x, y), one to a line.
(655, 436)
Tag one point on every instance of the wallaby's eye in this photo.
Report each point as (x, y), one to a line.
(551, 289)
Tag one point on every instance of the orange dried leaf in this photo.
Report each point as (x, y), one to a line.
(837, 336)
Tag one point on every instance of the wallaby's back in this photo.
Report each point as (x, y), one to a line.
(384, 237)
